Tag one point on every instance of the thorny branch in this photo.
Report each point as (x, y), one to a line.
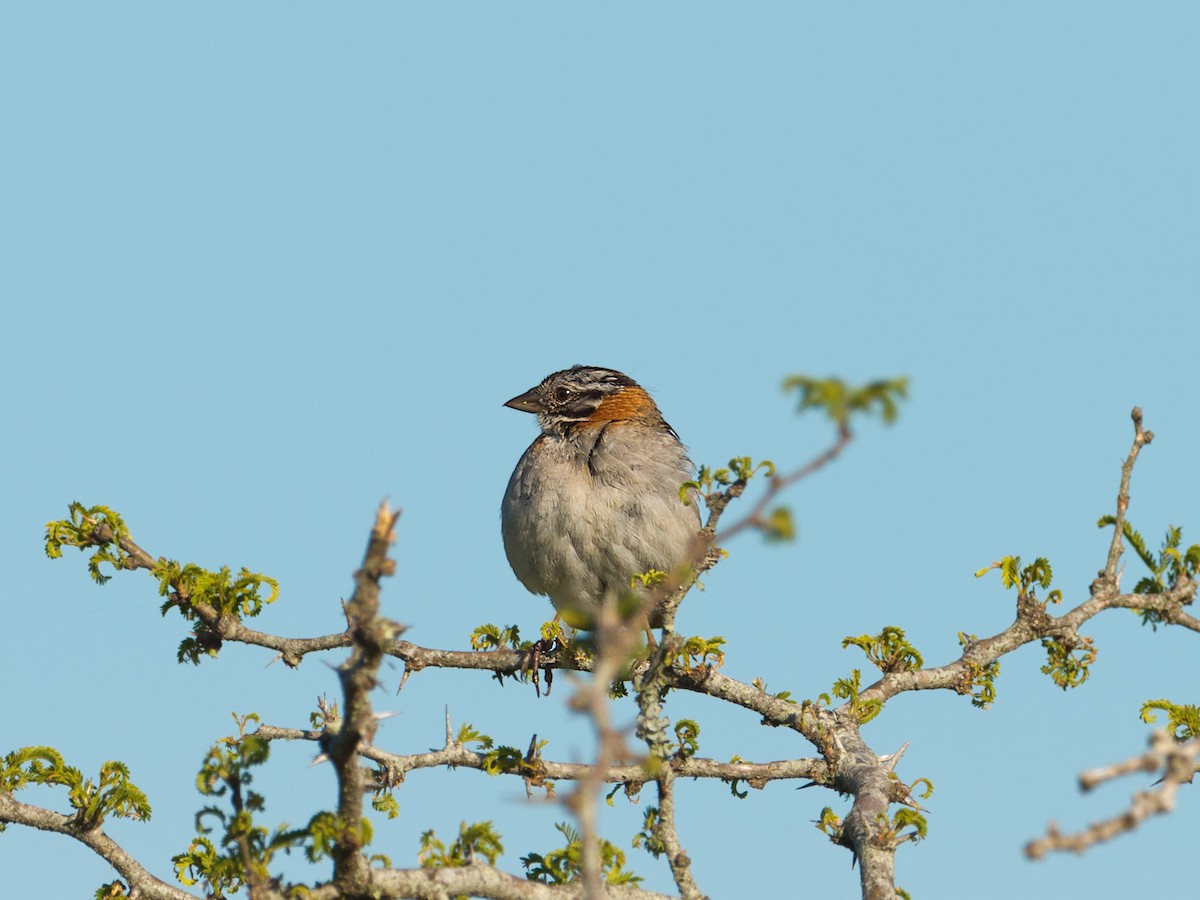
(847, 763)
(537, 772)
(1034, 622)
(372, 634)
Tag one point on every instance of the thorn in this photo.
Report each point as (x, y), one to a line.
(893, 758)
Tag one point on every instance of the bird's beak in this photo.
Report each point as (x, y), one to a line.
(526, 402)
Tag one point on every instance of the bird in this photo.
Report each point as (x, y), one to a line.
(598, 499)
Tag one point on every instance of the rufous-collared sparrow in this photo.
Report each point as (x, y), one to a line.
(595, 500)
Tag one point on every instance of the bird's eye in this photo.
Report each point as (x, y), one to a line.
(563, 394)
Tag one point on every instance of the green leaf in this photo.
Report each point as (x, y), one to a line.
(647, 839)
(1068, 664)
(563, 866)
(779, 526)
(502, 759)
(910, 818)
(1184, 720)
(848, 689)
(841, 402)
(491, 637)
(83, 529)
(468, 735)
(697, 653)
(112, 794)
(1010, 571)
(476, 843)
(889, 651)
(830, 824)
(983, 677)
(687, 733)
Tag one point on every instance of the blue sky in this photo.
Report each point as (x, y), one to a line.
(267, 264)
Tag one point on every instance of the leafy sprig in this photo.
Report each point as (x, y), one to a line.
(848, 689)
(698, 653)
(493, 637)
(1068, 662)
(187, 586)
(1184, 719)
(110, 794)
(840, 401)
(476, 843)
(981, 683)
(1167, 567)
(1026, 580)
(230, 849)
(648, 839)
(91, 526)
(198, 594)
(888, 651)
(687, 733)
(740, 470)
(562, 866)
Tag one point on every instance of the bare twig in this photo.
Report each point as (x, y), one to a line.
(1108, 581)
(779, 483)
(1177, 762)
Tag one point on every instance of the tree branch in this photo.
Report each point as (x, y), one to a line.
(473, 881)
(1107, 579)
(652, 728)
(861, 774)
(229, 628)
(1177, 762)
(372, 634)
(778, 483)
(847, 763)
(139, 880)
(1034, 622)
(633, 775)
(677, 858)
